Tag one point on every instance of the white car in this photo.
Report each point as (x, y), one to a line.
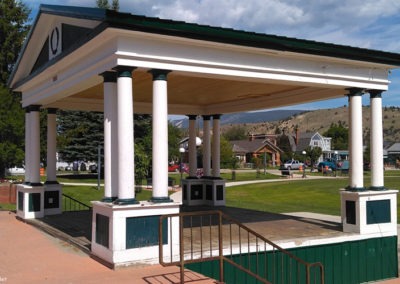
(15, 171)
(293, 165)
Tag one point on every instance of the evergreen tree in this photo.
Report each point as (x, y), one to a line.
(13, 29)
(12, 131)
(79, 135)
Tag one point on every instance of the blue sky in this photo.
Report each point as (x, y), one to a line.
(372, 24)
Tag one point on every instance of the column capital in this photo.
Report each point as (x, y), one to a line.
(192, 116)
(124, 71)
(52, 110)
(375, 93)
(109, 76)
(355, 92)
(159, 74)
(206, 117)
(216, 116)
(34, 107)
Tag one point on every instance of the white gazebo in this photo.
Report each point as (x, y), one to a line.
(93, 59)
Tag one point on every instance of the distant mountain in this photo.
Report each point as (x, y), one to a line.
(246, 117)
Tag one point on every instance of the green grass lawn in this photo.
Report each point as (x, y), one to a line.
(86, 194)
(318, 196)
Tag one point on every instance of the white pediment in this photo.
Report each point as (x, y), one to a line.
(50, 37)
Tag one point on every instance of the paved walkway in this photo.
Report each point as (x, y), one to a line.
(28, 255)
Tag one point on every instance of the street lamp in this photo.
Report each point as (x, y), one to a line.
(181, 151)
(304, 165)
(336, 158)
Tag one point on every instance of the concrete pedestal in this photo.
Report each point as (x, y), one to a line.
(30, 201)
(128, 234)
(52, 199)
(203, 192)
(369, 212)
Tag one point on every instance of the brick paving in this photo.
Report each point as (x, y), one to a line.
(28, 255)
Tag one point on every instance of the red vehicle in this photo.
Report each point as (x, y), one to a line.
(175, 168)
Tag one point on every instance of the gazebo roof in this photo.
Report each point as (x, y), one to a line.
(214, 70)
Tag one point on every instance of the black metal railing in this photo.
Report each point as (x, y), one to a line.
(213, 235)
(71, 204)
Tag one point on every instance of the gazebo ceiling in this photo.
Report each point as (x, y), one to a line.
(194, 95)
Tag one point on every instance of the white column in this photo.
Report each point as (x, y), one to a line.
(126, 170)
(216, 159)
(192, 147)
(376, 140)
(27, 146)
(110, 137)
(160, 137)
(206, 146)
(34, 145)
(51, 146)
(356, 138)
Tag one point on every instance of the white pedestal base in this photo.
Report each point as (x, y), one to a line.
(128, 234)
(52, 199)
(369, 212)
(203, 192)
(30, 201)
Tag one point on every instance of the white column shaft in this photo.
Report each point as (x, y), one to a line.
(34, 162)
(160, 139)
(192, 148)
(27, 146)
(206, 148)
(216, 159)
(51, 146)
(356, 145)
(376, 153)
(126, 176)
(110, 141)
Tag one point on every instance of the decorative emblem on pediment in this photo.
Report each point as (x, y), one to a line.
(55, 46)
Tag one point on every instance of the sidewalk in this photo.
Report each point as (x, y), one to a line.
(27, 255)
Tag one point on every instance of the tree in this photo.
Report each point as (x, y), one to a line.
(226, 153)
(339, 135)
(12, 131)
(79, 135)
(236, 132)
(175, 134)
(105, 5)
(13, 29)
(284, 143)
(313, 153)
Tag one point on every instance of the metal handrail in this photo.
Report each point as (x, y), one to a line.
(74, 204)
(204, 241)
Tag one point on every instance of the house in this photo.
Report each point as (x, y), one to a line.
(255, 147)
(393, 154)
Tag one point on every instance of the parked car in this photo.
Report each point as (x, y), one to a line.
(322, 165)
(293, 165)
(15, 171)
(173, 168)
